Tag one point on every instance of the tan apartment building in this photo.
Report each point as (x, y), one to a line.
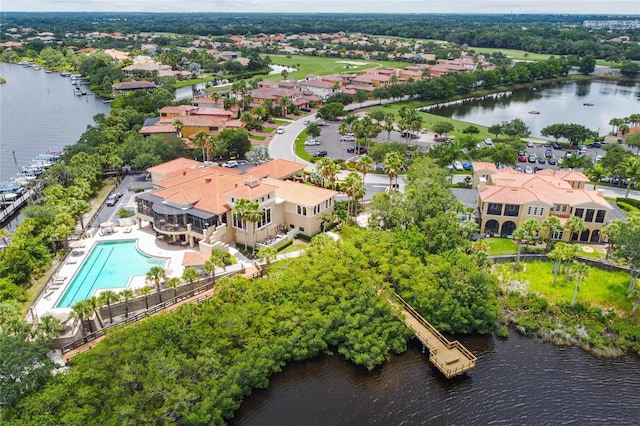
(507, 198)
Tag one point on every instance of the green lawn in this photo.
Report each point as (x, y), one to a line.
(324, 66)
(294, 247)
(601, 288)
(500, 246)
(519, 55)
(300, 151)
(257, 137)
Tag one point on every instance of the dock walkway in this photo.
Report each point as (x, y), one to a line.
(451, 358)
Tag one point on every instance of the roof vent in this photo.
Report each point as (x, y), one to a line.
(252, 183)
(207, 180)
(184, 173)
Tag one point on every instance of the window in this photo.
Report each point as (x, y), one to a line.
(529, 211)
(541, 211)
(239, 224)
(600, 216)
(579, 213)
(589, 216)
(557, 235)
(266, 219)
(299, 210)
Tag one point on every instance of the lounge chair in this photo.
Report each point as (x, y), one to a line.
(127, 230)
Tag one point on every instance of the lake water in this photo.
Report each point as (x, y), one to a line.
(556, 103)
(517, 381)
(38, 113)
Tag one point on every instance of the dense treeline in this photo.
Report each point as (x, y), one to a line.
(557, 35)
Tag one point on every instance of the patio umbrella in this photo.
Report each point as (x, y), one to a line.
(77, 244)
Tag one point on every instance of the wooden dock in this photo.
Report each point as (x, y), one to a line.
(11, 209)
(451, 358)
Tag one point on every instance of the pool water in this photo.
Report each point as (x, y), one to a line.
(109, 265)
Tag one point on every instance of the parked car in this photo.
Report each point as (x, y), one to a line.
(409, 135)
(528, 170)
(280, 130)
(488, 141)
(230, 164)
(311, 142)
(529, 144)
(552, 161)
(347, 138)
(319, 154)
(542, 160)
(532, 158)
(112, 200)
(467, 165)
(305, 109)
(361, 150)
(518, 169)
(548, 153)
(522, 158)
(557, 146)
(305, 122)
(595, 144)
(458, 165)
(321, 122)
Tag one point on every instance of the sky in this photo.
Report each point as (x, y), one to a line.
(604, 7)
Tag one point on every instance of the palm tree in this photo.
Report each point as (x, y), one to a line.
(254, 214)
(178, 124)
(520, 235)
(328, 169)
(354, 188)
(574, 225)
(174, 283)
(389, 124)
(190, 275)
(557, 255)
(108, 297)
(581, 271)
(610, 233)
(596, 173)
(215, 97)
(550, 225)
(95, 304)
(364, 165)
(145, 291)
(631, 170)
(202, 140)
(240, 209)
(285, 74)
(81, 311)
(392, 164)
(127, 296)
(156, 275)
(568, 254)
(635, 295)
(48, 328)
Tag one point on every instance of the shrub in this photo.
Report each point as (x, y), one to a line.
(138, 190)
(284, 245)
(633, 202)
(124, 213)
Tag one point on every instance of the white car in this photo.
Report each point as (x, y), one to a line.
(311, 142)
(528, 170)
(488, 141)
(280, 130)
(305, 122)
(230, 164)
(458, 165)
(529, 144)
(347, 138)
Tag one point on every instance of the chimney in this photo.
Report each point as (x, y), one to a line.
(184, 173)
(207, 180)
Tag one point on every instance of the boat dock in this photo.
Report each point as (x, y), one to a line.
(11, 209)
(451, 358)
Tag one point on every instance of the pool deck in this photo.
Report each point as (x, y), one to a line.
(146, 243)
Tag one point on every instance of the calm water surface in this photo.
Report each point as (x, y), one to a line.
(38, 113)
(557, 103)
(518, 381)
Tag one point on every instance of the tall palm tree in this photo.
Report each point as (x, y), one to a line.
(635, 295)
(254, 214)
(550, 225)
(190, 275)
(215, 97)
(364, 164)
(239, 210)
(174, 283)
(354, 188)
(557, 255)
(568, 254)
(520, 235)
(631, 170)
(178, 124)
(610, 233)
(574, 225)
(156, 275)
(127, 296)
(389, 124)
(202, 140)
(145, 291)
(47, 328)
(597, 172)
(81, 311)
(108, 297)
(328, 169)
(581, 271)
(94, 303)
(392, 164)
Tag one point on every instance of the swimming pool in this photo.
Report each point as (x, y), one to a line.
(109, 265)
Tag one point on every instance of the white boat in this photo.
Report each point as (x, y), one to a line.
(77, 90)
(8, 196)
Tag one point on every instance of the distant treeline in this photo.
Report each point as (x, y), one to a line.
(550, 34)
